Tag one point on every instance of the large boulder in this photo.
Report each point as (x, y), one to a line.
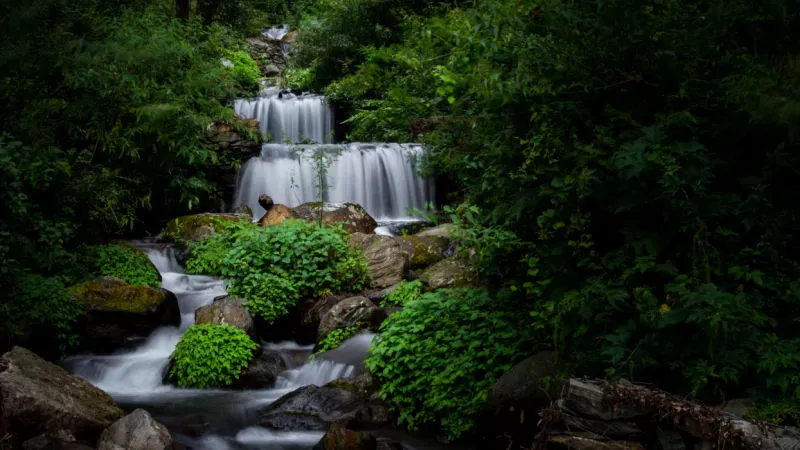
(424, 251)
(340, 438)
(117, 311)
(275, 215)
(262, 371)
(197, 227)
(350, 216)
(227, 311)
(38, 397)
(387, 258)
(448, 273)
(136, 431)
(353, 311)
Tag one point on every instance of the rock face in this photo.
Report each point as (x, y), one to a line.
(262, 371)
(116, 311)
(197, 227)
(37, 397)
(425, 250)
(226, 136)
(386, 257)
(350, 216)
(448, 273)
(349, 312)
(340, 438)
(275, 215)
(227, 311)
(136, 431)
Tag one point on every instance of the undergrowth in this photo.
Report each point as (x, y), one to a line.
(209, 356)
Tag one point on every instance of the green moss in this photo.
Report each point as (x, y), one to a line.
(427, 250)
(198, 227)
(115, 294)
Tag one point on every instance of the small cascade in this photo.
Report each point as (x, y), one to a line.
(380, 177)
(276, 33)
(286, 116)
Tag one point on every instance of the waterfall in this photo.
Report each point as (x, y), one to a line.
(286, 116)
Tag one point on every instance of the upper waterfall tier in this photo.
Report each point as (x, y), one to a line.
(380, 177)
(286, 116)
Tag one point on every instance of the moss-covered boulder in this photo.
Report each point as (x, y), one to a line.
(425, 250)
(352, 217)
(197, 227)
(387, 258)
(116, 311)
(448, 273)
(123, 260)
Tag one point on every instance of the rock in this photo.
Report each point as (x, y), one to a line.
(340, 438)
(61, 441)
(386, 258)
(271, 70)
(37, 397)
(444, 231)
(352, 217)
(573, 442)
(116, 311)
(375, 411)
(265, 201)
(738, 407)
(448, 273)
(136, 431)
(430, 246)
(376, 295)
(227, 311)
(290, 37)
(198, 227)
(228, 136)
(262, 370)
(349, 312)
(277, 214)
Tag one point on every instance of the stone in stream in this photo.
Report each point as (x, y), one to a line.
(136, 431)
(340, 438)
(387, 258)
(353, 311)
(117, 311)
(262, 370)
(227, 311)
(38, 397)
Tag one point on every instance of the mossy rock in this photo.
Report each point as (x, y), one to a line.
(448, 273)
(116, 311)
(197, 227)
(425, 250)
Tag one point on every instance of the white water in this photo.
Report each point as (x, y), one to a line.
(276, 33)
(286, 116)
(134, 377)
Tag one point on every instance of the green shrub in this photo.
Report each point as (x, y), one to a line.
(210, 356)
(440, 355)
(335, 338)
(299, 79)
(268, 296)
(246, 73)
(404, 293)
(122, 261)
(273, 267)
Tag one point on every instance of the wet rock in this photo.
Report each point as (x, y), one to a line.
(376, 295)
(37, 397)
(387, 259)
(227, 311)
(262, 370)
(353, 311)
(573, 442)
(425, 250)
(265, 201)
(340, 438)
(276, 214)
(62, 440)
(136, 431)
(117, 311)
(374, 412)
(271, 70)
(448, 273)
(352, 217)
(198, 227)
(444, 231)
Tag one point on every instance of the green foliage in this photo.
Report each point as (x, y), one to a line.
(440, 355)
(274, 267)
(246, 74)
(335, 338)
(122, 261)
(209, 356)
(299, 80)
(405, 292)
(268, 296)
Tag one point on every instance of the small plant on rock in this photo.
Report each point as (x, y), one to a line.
(405, 292)
(209, 356)
(335, 338)
(122, 261)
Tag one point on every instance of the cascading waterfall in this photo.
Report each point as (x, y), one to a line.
(286, 116)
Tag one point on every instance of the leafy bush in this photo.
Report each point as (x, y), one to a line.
(299, 79)
(439, 357)
(122, 261)
(281, 263)
(268, 296)
(246, 73)
(405, 292)
(210, 356)
(335, 338)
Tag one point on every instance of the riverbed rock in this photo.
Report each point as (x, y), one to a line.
(353, 311)
(448, 273)
(276, 214)
(136, 431)
(429, 246)
(38, 397)
(340, 438)
(374, 412)
(227, 311)
(197, 227)
(352, 217)
(117, 311)
(387, 259)
(265, 366)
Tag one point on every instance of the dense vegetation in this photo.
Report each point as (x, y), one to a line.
(209, 356)
(274, 267)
